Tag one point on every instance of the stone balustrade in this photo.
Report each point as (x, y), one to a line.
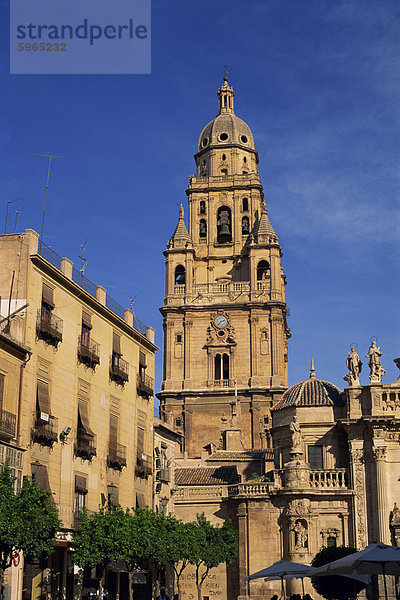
(329, 478)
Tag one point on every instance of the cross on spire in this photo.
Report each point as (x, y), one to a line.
(226, 73)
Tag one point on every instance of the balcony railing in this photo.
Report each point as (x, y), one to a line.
(180, 289)
(49, 327)
(145, 385)
(7, 424)
(143, 468)
(329, 478)
(119, 370)
(221, 288)
(218, 383)
(45, 429)
(88, 352)
(116, 458)
(85, 445)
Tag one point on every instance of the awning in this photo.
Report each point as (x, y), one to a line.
(113, 431)
(47, 295)
(140, 500)
(80, 484)
(84, 416)
(42, 478)
(86, 320)
(43, 397)
(140, 442)
(116, 344)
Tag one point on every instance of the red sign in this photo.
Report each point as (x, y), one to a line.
(16, 560)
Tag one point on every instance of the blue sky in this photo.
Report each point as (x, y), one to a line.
(318, 83)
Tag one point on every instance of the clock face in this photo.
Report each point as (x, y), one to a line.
(220, 321)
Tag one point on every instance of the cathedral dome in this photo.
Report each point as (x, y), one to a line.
(226, 128)
(312, 392)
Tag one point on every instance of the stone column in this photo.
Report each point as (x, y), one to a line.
(358, 484)
(276, 347)
(379, 453)
(253, 346)
(187, 325)
(243, 551)
(168, 347)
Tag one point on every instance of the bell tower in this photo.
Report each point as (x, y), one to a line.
(225, 329)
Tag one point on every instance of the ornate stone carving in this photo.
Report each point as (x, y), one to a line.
(379, 452)
(299, 506)
(301, 534)
(357, 458)
(297, 438)
(376, 369)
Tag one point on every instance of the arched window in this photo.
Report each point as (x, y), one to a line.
(225, 366)
(180, 275)
(245, 226)
(224, 225)
(217, 366)
(203, 228)
(202, 207)
(245, 204)
(262, 270)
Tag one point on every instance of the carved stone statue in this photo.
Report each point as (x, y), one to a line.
(354, 366)
(301, 536)
(376, 369)
(297, 438)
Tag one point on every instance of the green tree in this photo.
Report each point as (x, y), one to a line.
(101, 538)
(28, 520)
(335, 587)
(210, 546)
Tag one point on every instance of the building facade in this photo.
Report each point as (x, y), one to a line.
(84, 407)
(294, 469)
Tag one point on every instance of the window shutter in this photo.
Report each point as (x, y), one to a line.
(84, 416)
(140, 500)
(47, 295)
(43, 397)
(80, 484)
(116, 344)
(2, 380)
(113, 431)
(42, 478)
(142, 359)
(140, 442)
(112, 492)
(86, 320)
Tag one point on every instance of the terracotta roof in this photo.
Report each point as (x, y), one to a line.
(312, 392)
(206, 476)
(240, 455)
(180, 234)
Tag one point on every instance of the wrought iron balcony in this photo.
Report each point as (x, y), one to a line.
(45, 429)
(143, 468)
(85, 445)
(49, 327)
(116, 458)
(119, 370)
(88, 352)
(145, 385)
(7, 424)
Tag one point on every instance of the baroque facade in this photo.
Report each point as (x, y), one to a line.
(294, 469)
(77, 380)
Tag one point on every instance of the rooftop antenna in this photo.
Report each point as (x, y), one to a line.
(132, 301)
(51, 156)
(16, 217)
(8, 206)
(83, 259)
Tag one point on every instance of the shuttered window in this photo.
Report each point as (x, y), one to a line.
(80, 484)
(86, 320)
(112, 492)
(2, 381)
(83, 411)
(47, 296)
(113, 431)
(42, 478)
(43, 397)
(142, 359)
(140, 500)
(116, 344)
(140, 443)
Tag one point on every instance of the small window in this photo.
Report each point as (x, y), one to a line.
(223, 137)
(224, 171)
(178, 422)
(112, 495)
(243, 139)
(245, 204)
(224, 224)
(244, 159)
(179, 338)
(245, 172)
(202, 207)
(204, 142)
(262, 270)
(180, 275)
(224, 157)
(245, 226)
(203, 228)
(225, 366)
(315, 457)
(331, 542)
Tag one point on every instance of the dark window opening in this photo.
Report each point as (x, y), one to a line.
(223, 137)
(217, 370)
(224, 227)
(221, 366)
(178, 422)
(331, 542)
(315, 457)
(180, 275)
(244, 159)
(179, 338)
(245, 172)
(262, 270)
(225, 366)
(202, 207)
(243, 139)
(203, 228)
(245, 204)
(245, 226)
(224, 157)
(224, 171)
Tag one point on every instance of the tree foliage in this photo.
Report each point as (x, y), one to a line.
(335, 587)
(28, 520)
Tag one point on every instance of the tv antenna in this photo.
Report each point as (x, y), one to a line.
(16, 217)
(132, 301)
(83, 259)
(8, 206)
(51, 156)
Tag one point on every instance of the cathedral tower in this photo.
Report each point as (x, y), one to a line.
(225, 330)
